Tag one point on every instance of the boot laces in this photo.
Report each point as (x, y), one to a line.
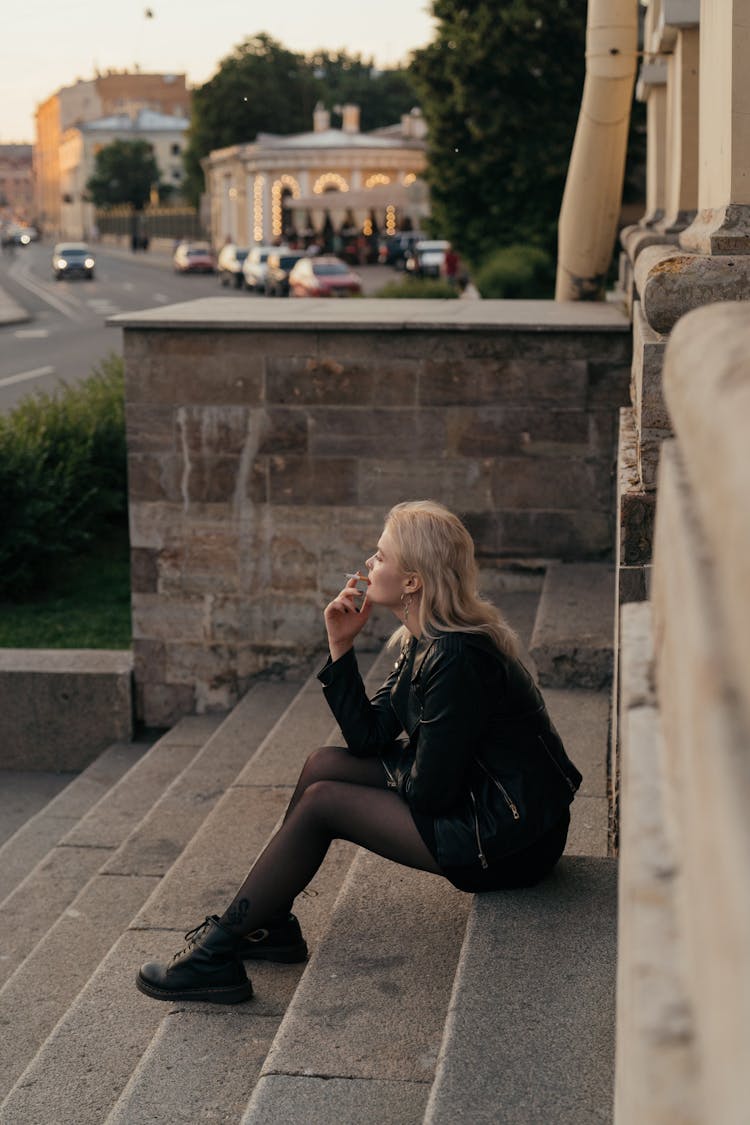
(191, 938)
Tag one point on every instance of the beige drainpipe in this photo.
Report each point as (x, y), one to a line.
(593, 190)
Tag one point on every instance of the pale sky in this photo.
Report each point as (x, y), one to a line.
(53, 42)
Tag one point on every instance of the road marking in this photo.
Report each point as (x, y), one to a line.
(31, 333)
(41, 291)
(23, 376)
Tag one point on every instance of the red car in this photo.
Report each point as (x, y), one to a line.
(194, 257)
(323, 276)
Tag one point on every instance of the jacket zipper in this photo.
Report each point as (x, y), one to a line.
(506, 795)
(391, 782)
(555, 762)
(482, 856)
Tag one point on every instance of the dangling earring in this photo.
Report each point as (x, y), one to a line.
(406, 602)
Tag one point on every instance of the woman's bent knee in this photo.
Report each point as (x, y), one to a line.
(321, 761)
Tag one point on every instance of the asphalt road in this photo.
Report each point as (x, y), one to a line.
(67, 336)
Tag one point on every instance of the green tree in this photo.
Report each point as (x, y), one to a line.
(124, 172)
(263, 87)
(382, 95)
(500, 87)
(260, 87)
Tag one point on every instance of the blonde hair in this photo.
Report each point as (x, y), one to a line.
(431, 542)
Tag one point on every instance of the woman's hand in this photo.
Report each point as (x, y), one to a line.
(344, 619)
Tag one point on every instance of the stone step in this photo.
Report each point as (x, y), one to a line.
(34, 904)
(124, 877)
(360, 1039)
(530, 1029)
(571, 645)
(33, 839)
(206, 1057)
(80, 1070)
(24, 793)
(201, 1050)
(582, 719)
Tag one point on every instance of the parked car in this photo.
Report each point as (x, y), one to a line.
(278, 267)
(396, 249)
(229, 265)
(426, 259)
(194, 257)
(73, 259)
(255, 266)
(324, 276)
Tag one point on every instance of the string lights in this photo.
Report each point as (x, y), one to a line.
(258, 186)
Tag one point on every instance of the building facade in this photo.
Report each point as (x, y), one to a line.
(106, 95)
(80, 144)
(16, 183)
(320, 183)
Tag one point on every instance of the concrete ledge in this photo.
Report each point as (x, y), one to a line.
(62, 707)
(239, 314)
(572, 641)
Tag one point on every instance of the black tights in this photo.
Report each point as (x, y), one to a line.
(337, 797)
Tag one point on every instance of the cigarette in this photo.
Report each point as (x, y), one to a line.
(359, 577)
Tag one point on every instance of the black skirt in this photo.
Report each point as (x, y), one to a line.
(522, 869)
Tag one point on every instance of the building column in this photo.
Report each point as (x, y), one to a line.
(652, 89)
(681, 201)
(722, 225)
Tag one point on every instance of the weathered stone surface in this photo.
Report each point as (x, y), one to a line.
(61, 708)
(149, 428)
(465, 381)
(536, 976)
(283, 1098)
(707, 387)
(646, 384)
(144, 570)
(635, 506)
(702, 689)
(572, 641)
(244, 416)
(671, 282)
(547, 483)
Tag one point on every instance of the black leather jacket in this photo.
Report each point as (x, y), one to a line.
(458, 699)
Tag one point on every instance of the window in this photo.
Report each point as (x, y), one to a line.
(175, 149)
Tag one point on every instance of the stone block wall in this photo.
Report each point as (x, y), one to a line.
(266, 446)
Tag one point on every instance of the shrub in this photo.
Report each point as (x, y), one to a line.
(63, 475)
(516, 272)
(418, 287)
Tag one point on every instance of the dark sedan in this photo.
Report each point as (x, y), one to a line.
(73, 259)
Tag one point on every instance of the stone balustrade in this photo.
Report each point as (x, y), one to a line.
(267, 440)
(684, 971)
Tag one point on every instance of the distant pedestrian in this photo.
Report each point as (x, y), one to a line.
(452, 767)
(451, 266)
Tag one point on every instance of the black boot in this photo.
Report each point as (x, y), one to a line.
(281, 940)
(207, 968)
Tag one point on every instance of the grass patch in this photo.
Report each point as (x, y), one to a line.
(85, 605)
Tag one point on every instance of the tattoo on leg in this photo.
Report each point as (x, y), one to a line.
(235, 915)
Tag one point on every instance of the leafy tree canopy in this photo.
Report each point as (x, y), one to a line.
(263, 87)
(124, 172)
(500, 87)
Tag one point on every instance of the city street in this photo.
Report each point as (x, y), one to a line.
(67, 335)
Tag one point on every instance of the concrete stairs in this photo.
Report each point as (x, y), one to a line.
(419, 1003)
